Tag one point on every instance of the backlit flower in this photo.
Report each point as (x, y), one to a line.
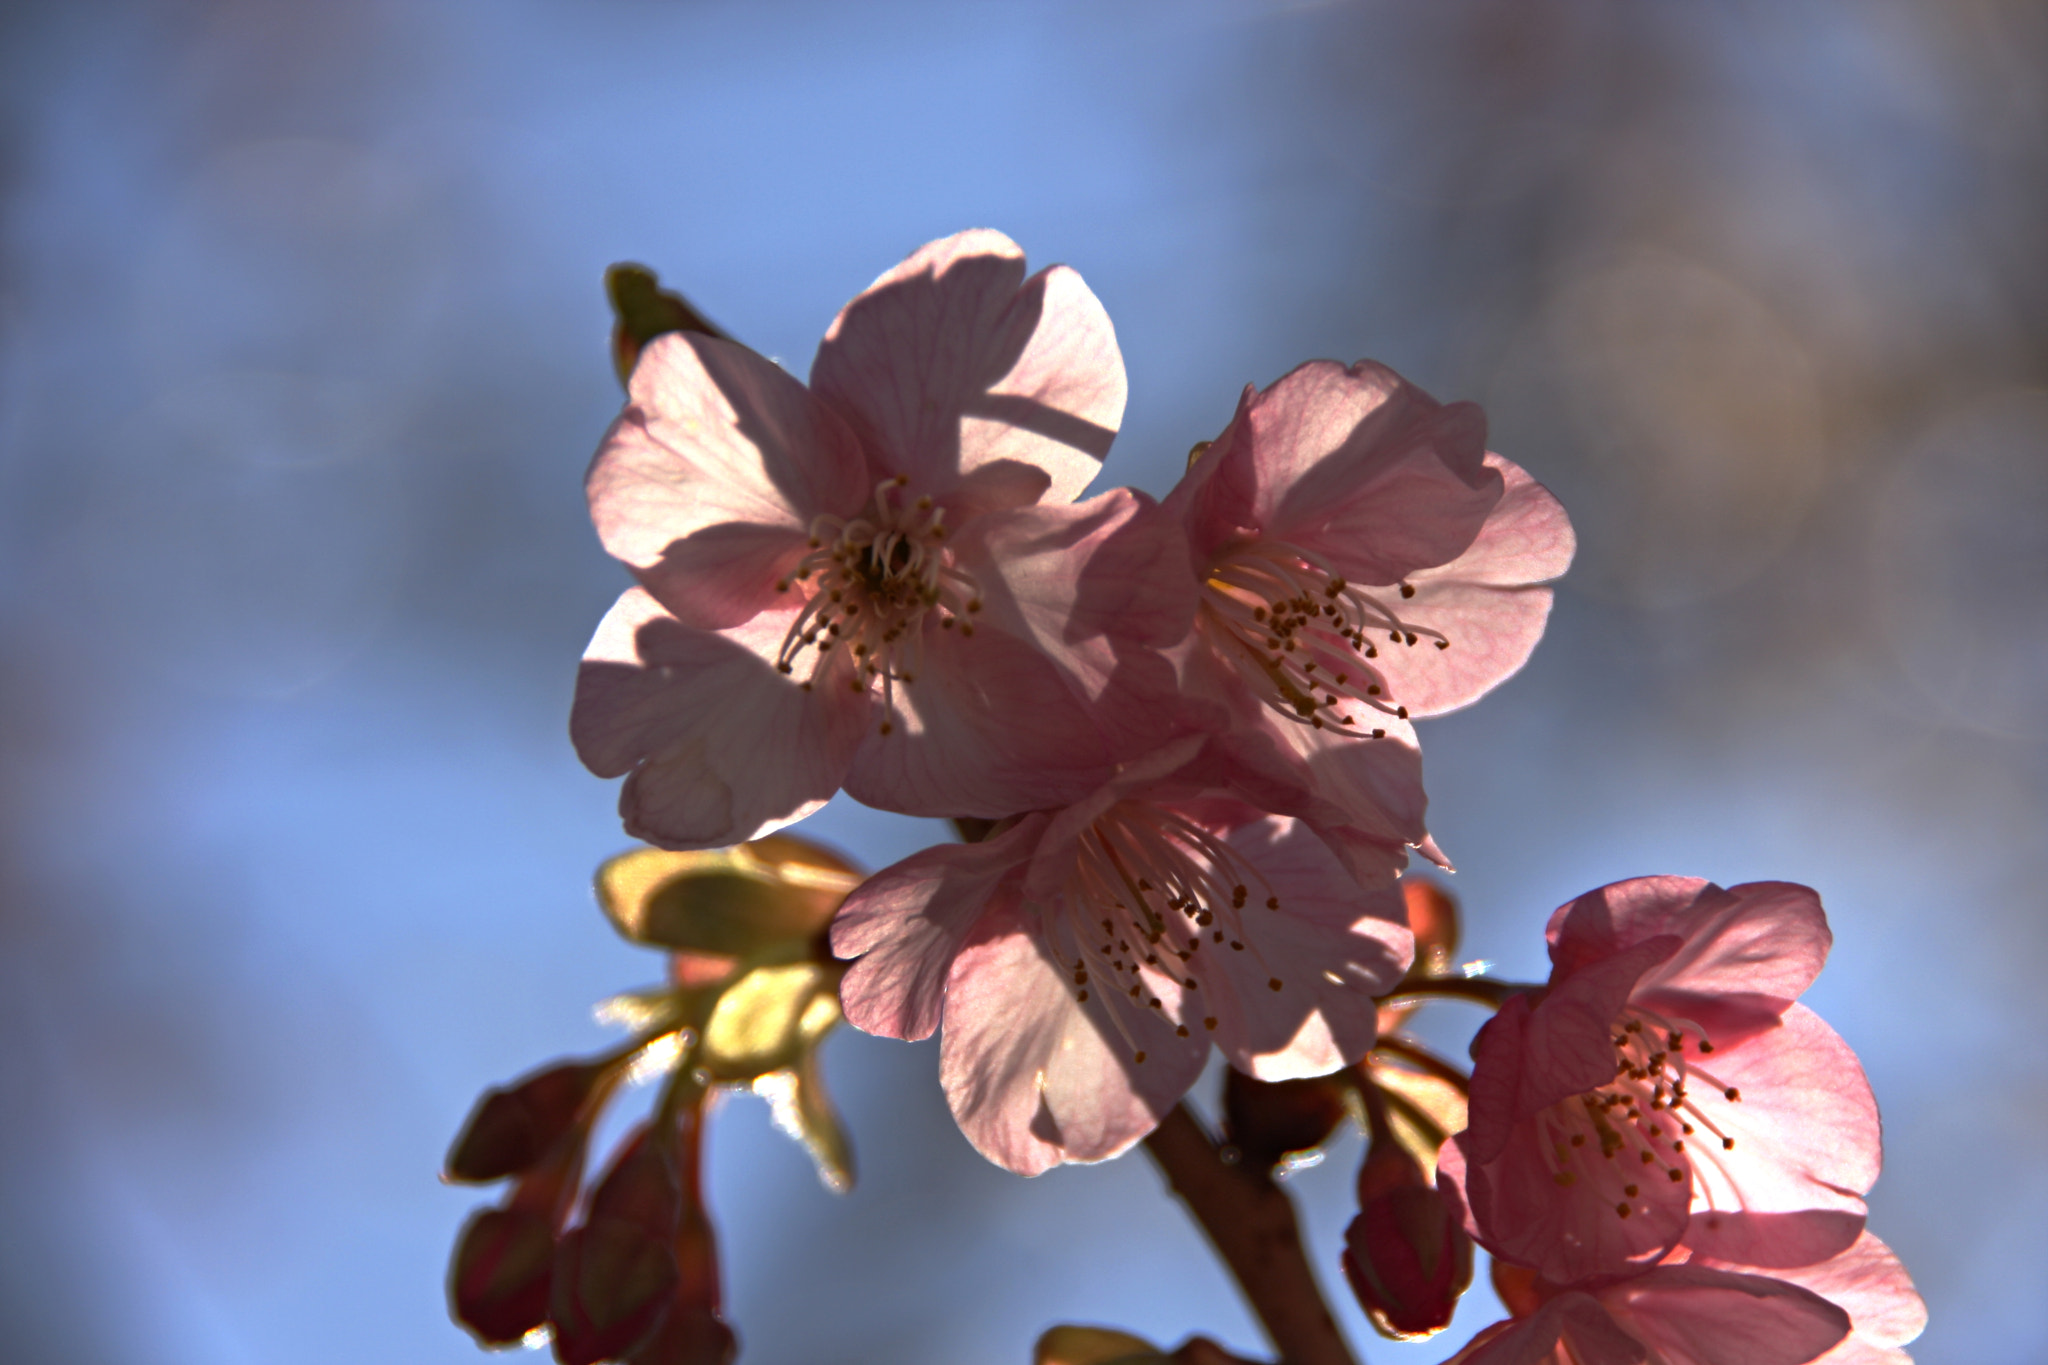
(1082, 961)
(881, 580)
(1665, 1085)
(1363, 560)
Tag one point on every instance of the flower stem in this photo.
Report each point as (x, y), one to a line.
(1480, 990)
(1251, 1223)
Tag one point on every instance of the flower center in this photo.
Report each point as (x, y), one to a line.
(1304, 638)
(1150, 888)
(873, 580)
(1637, 1127)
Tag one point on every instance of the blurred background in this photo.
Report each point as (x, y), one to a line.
(302, 354)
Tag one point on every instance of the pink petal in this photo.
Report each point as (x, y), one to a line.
(1571, 1318)
(1362, 469)
(1034, 1077)
(1870, 1284)
(1807, 1146)
(905, 923)
(1711, 1317)
(707, 483)
(1531, 1055)
(1517, 1211)
(988, 728)
(1331, 945)
(717, 747)
(1095, 587)
(1867, 1282)
(954, 361)
(1375, 783)
(1486, 601)
(1747, 954)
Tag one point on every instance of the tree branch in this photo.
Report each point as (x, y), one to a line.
(1251, 1223)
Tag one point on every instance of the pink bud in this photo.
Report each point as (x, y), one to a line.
(1406, 1253)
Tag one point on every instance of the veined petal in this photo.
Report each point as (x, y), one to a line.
(716, 746)
(1035, 1077)
(905, 924)
(988, 728)
(1362, 468)
(1747, 952)
(953, 361)
(1572, 1317)
(1488, 602)
(1712, 1317)
(1808, 1145)
(1330, 946)
(1868, 1282)
(707, 482)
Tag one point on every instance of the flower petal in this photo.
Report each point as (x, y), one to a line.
(905, 923)
(1571, 1317)
(1486, 602)
(1331, 945)
(954, 361)
(1807, 1146)
(1359, 467)
(716, 746)
(1711, 1317)
(988, 728)
(1870, 1284)
(1747, 953)
(1035, 1077)
(707, 482)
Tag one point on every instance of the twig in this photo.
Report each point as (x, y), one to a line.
(1251, 1223)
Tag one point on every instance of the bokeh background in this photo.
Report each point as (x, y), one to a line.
(302, 353)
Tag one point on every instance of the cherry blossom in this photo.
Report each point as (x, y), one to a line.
(1082, 960)
(1665, 1084)
(1363, 560)
(882, 580)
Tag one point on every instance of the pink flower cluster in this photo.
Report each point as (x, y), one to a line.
(1186, 722)
(1667, 1154)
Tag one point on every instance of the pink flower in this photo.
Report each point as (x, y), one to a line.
(1664, 1085)
(878, 581)
(1364, 560)
(1081, 961)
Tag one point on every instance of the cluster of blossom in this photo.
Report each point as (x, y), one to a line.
(1176, 737)
(1189, 720)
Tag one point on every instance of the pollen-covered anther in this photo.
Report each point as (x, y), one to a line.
(876, 579)
(1293, 627)
(1148, 883)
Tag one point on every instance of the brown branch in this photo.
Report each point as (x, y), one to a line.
(1251, 1223)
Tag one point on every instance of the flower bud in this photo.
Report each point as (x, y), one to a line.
(615, 1275)
(513, 1129)
(1268, 1120)
(499, 1276)
(642, 310)
(1406, 1253)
